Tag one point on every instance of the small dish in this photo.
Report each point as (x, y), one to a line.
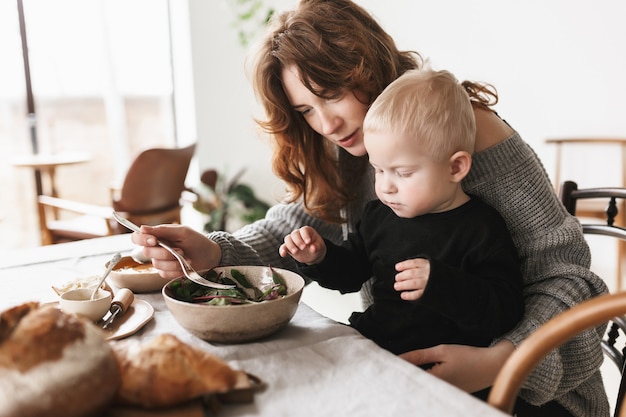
(138, 314)
(80, 282)
(78, 302)
(137, 277)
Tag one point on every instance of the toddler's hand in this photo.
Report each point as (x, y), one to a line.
(412, 278)
(305, 245)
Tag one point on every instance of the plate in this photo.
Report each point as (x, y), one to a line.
(138, 314)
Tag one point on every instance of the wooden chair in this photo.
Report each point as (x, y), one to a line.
(576, 148)
(150, 194)
(550, 336)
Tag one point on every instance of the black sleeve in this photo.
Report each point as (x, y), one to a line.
(345, 268)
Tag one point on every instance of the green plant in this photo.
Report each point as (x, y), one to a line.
(250, 17)
(226, 200)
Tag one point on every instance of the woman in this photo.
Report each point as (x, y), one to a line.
(316, 73)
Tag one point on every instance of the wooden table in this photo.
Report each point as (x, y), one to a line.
(313, 367)
(47, 164)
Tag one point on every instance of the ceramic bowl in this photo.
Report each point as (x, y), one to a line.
(238, 323)
(137, 277)
(78, 302)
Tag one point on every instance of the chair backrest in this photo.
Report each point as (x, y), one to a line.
(571, 196)
(154, 182)
(550, 336)
(601, 204)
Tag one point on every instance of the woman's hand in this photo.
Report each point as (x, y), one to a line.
(467, 367)
(412, 278)
(200, 252)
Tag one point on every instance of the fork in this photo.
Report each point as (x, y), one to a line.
(189, 272)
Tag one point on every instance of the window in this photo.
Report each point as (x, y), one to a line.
(101, 78)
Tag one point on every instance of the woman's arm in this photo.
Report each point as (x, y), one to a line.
(555, 260)
(254, 244)
(258, 243)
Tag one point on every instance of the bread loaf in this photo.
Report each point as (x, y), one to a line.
(165, 372)
(53, 364)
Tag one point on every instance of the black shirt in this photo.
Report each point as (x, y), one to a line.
(474, 292)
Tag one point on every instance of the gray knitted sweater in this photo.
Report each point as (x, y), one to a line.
(555, 264)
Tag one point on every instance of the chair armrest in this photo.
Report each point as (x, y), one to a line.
(76, 207)
(189, 196)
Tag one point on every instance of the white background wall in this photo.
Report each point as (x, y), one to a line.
(559, 67)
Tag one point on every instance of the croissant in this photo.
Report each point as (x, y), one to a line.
(165, 372)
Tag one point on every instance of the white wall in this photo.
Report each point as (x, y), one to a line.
(559, 67)
(225, 106)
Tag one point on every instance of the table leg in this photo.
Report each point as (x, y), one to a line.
(51, 173)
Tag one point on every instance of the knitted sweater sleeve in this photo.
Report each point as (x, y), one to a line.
(555, 261)
(258, 243)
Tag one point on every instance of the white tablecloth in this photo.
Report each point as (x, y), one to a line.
(313, 367)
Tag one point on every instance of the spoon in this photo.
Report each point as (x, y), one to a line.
(137, 255)
(112, 263)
